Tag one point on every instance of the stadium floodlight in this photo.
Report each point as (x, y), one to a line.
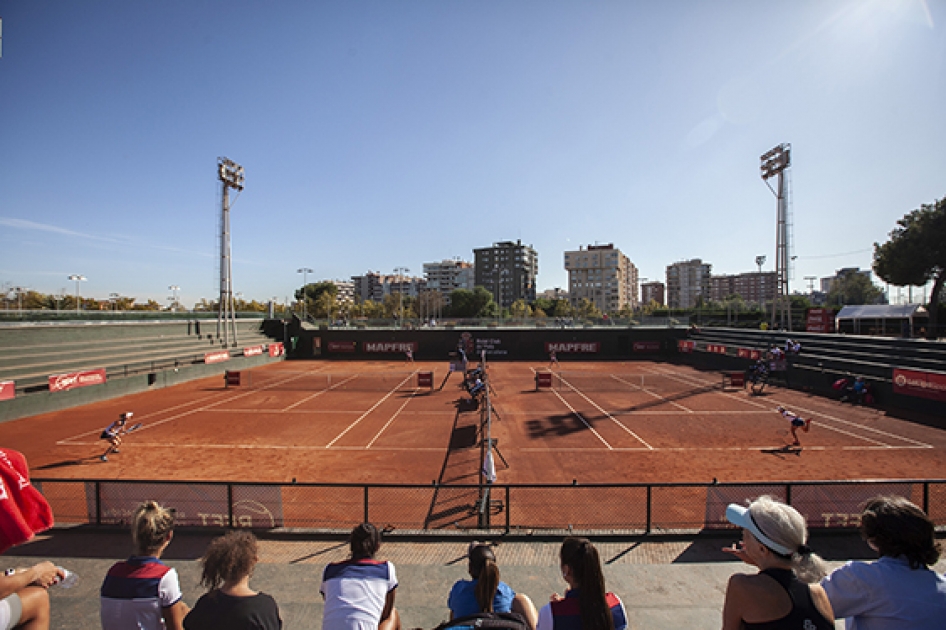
(400, 293)
(174, 296)
(304, 271)
(230, 173)
(774, 163)
(776, 160)
(759, 261)
(78, 278)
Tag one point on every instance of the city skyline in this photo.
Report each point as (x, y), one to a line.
(378, 136)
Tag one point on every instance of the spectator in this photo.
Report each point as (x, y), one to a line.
(899, 590)
(485, 592)
(780, 595)
(230, 603)
(359, 593)
(142, 592)
(24, 602)
(586, 605)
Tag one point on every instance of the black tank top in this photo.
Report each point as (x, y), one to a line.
(803, 616)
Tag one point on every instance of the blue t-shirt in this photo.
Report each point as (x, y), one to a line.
(462, 600)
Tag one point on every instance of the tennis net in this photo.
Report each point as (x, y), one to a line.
(591, 382)
(323, 381)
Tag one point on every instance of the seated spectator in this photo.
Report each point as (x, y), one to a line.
(899, 590)
(230, 603)
(780, 595)
(587, 605)
(359, 593)
(776, 353)
(24, 602)
(142, 592)
(485, 592)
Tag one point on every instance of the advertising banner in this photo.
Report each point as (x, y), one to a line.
(749, 353)
(390, 346)
(253, 351)
(277, 349)
(820, 320)
(492, 347)
(716, 348)
(684, 345)
(217, 357)
(921, 384)
(7, 390)
(196, 505)
(822, 505)
(573, 347)
(63, 382)
(342, 346)
(646, 346)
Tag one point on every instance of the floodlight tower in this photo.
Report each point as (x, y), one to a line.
(230, 175)
(774, 164)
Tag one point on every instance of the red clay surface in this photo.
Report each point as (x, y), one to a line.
(678, 427)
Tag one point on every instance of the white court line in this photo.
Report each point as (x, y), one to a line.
(657, 396)
(386, 424)
(280, 447)
(686, 449)
(365, 414)
(591, 428)
(612, 418)
(823, 415)
(689, 380)
(319, 393)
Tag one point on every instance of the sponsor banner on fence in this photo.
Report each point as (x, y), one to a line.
(684, 345)
(749, 353)
(7, 390)
(820, 320)
(253, 351)
(390, 346)
(716, 348)
(197, 505)
(277, 349)
(342, 346)
(492, 347)
(217, 357)
(63, 382)
(921, 384)
(576, 347)
(822, 505)
(646, 346)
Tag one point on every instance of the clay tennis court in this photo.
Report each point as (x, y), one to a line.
(365, 422)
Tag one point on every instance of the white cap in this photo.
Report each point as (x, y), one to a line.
(740, 516)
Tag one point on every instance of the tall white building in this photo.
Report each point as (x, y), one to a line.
(447, 276)
(687, 281)
(603, 275)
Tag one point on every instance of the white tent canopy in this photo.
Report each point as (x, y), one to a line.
(879, 319)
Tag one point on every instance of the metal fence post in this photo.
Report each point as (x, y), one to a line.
(230, 504)
(508, 522)
(650, 496)
(788, 494)
(926, 497)
(366, 505)
(98, 502)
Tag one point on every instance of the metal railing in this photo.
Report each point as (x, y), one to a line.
(619, 509)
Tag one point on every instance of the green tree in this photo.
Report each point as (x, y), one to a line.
(520, 309)
(587, 309)
(853, 288)
(916, 254)
(475, 303)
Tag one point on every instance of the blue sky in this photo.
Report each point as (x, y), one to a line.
(384, 134)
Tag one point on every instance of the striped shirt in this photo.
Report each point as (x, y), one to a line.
(135, 593)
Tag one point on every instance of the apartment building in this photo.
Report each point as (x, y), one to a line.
(507, 270)
(374, 286)
(653, 292)
(447, 276)
(756, 287)
(602, 275)
(687, 281)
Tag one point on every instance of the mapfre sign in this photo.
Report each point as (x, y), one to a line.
(72, 380)
(577, 347)
(390, 346)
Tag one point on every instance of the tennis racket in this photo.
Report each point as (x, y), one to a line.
(133, 427)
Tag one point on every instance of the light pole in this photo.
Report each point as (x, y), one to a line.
(78, 278)
(400, 293)
(305, 271)
(174, 296)
(774, 163)
(113, 298)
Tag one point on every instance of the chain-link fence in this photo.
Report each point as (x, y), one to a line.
(600, 508)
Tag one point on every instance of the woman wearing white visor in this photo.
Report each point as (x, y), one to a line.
(782, 595)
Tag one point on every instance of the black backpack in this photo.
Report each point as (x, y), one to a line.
(493, 620)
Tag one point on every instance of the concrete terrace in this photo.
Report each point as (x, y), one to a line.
(665, 584)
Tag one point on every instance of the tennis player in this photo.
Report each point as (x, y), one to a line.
(113, 433)
(797, 422)
(553, 359)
